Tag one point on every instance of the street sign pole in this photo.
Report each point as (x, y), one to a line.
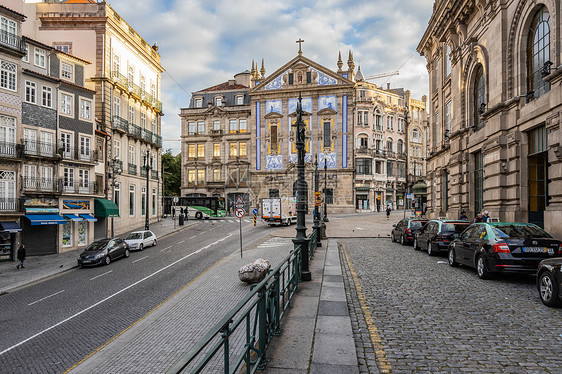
(239, 213)
(240, 219)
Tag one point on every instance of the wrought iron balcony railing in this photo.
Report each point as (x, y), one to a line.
(78, 154)
(132, 169)
(154, 174)
(41, 185)
(12, 40)
(120, 124)
(134, 130)
(10, 150)
(8, 204)
(82, 188)
(36, 148)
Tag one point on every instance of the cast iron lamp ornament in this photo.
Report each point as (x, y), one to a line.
(300, 238)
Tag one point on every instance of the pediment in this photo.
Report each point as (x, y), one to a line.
(299, 67)
(273, 115)
(304, 114)
(327, 112)
(215, 110)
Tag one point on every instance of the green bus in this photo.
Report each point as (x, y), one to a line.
(198, 207)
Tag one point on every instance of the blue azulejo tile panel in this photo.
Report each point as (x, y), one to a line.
(306, 104)
(293, 158)
(273, 106)
(274, 162)
(330, 158)
(327, 102)
(275, 84)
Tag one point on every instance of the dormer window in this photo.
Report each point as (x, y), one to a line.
(218, 101)
(66, 71)
(40, 58)
(240, 100)
(198, 103)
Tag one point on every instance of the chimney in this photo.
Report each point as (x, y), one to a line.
(388, 86)
(231, 82)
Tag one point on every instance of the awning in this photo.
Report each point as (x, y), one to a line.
(105, 208)
(10, 226)
(45, 219)
(74, 217)
(89, 217)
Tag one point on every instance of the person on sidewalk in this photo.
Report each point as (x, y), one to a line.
(388, 212)
(485, 216)
(463, 216)
(21, 256)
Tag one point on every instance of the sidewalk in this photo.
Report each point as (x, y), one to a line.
(41, 267)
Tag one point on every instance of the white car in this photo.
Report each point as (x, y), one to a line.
(138, 240)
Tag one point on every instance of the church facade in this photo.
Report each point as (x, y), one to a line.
(327, 103)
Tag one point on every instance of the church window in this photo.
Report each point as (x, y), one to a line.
(274, 142)
(308, 77)
(291, 78)
(479, 96)
(538, 53)
(327, 134)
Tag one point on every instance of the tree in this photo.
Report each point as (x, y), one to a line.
(171, 167)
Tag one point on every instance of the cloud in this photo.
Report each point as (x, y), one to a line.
(203, 43)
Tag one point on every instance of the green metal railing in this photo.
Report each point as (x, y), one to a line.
(253, 321)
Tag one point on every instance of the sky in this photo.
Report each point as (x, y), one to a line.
(203, 43)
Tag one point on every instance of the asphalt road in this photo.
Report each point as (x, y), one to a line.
(49, 326)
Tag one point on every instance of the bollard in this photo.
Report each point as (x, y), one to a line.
(181, 219)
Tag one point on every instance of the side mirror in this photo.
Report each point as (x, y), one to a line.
(393, 225)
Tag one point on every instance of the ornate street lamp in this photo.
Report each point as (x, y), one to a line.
(326, 188)
(147, 166)
(300, 238)
(316, 206)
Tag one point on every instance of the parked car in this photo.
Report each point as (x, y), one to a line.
(404, 230)
(436, 235)
(496, 247)
(549, 281)
(141, 239)
(103, 251)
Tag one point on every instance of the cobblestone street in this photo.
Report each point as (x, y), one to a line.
(412, 313)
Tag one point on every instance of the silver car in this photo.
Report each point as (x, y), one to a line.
(138, 240)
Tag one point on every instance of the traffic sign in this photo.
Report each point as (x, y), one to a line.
(176, 199)
(239, 203)
(255, 211)
(239, 212)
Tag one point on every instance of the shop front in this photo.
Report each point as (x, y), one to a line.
(78, 230)
(104, 209)
(9, 231)
(362, 198)
(40, 225)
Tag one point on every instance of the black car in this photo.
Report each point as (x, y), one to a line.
(437, 234)
(103, 251)
(404, 230)
(495, 247)
(549, 281)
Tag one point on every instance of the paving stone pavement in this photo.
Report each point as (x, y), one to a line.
(156, 342)
(431, 318)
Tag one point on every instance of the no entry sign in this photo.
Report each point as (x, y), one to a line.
(239, 212)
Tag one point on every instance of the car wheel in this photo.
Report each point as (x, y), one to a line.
(141, 247)
(452, 261)
(402, 240)
(416, 244)
(392, 238)
(548, 290)
(430, 250)
(199, 215)
(154, 243)
(127, 252)
(107, 260)
(481, 270)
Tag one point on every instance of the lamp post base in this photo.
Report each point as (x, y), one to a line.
(323, 231)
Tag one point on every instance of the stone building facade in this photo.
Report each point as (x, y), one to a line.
(215, 137)
(327, 103)
(495, 98)
(389, 145)
(125, 75)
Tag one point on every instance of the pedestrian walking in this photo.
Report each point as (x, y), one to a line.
(388, 212)
(478, 218)
(463, 216)
(485, 216)
(21, 256)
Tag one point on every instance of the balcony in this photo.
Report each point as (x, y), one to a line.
(82, 188)
(362, 150)
(135, 89)
(9, 204)
(390, 154)
(215, 132)
(158, 104)
(146, 135)
(132, 169)
(39, 149)
(379, 153)
(154, 174)
(82, 154)
(401, 155)
(12, 41)
(120, 124)
(40, 185)
(157, 140)
(10, 150)
(143, 171)
(134, 130)
(119, 78)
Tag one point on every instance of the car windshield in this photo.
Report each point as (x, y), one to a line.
(455, 227)
(520, 231)
(134, 235)
(96, 246)
(417, 224)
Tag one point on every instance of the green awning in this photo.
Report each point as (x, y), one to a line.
(105, 208)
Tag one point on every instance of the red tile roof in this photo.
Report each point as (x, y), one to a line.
(225, 86)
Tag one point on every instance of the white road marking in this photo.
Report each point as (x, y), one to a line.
(162, 250)
(193, 237)
(359, 228)
(140, 259)
(45, 298)
(111, 296)
(181, 241)
(101, 275)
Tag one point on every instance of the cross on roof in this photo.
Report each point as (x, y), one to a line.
(300, 41)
